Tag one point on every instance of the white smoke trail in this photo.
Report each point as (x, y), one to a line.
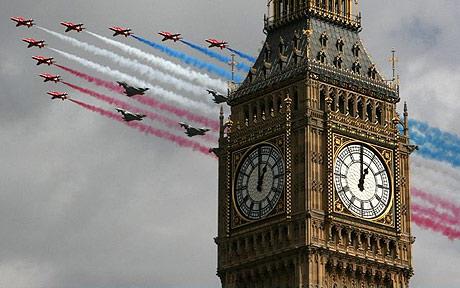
(144, 70)
(186, 73)
(168, 95)
(435, 177)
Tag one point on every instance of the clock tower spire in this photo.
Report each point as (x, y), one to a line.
(314, 171)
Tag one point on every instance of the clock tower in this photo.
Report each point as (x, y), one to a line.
(314, 161)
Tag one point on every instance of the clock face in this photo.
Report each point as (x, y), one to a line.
(362, 182)
(259, 182)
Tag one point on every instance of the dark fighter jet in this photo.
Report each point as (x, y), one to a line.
(218, 98)
(129, 116)
(132, 91)
(192, 131)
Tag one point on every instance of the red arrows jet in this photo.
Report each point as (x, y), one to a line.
(50, 77)
(217, 43)
(72, 26)
(170, 36)
(120, 31)
(43, 60)
(58, 95)
(32, 42)
(21, 21)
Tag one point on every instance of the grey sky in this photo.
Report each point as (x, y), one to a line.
(87, 202)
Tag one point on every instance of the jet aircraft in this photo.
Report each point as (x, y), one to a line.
(192, 131)
(218, 98)
(170, 36)
(58, 95)
(50, 77)
(21, 21)
(217, 43)
(132, 91)
(32, 42)
(129, 116)
(72, 26)
(120, 31)
(43, 60)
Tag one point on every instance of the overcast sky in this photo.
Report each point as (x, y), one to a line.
(87, 202)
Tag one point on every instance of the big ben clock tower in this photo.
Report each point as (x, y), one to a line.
(314, 161)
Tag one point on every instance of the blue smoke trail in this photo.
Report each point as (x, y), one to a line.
(243, 55)
(190, 60)
(215, 55)
(435, 144)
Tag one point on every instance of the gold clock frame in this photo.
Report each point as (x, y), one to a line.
(387, 156)
(236, 219)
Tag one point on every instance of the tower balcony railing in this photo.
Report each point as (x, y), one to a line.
(353, 21)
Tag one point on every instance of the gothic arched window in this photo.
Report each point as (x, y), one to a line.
(369, 112)
(351, 106)
(379, 114)
(322, 99)
(342, 106)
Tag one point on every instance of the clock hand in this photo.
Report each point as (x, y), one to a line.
(260, 162)
(260, 181)
(361, 170)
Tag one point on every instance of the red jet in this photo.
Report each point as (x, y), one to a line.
(120, 31)
(170, 36)
(72, 26)
(50, 77)
(32, 42)
(58, 95)
(217, 43)
(44, 60)
(21, 21)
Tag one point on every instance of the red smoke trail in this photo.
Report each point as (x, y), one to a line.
(437, 201)
(425, 222)
(433, 214)
(146, 100)
(147, 129)
(121, 104)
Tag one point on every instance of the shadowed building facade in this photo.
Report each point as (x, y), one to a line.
(314, 161)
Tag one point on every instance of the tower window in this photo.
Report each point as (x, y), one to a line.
(344, 8)
(337, 8)
(267, 53)
(339, 45)
(342, 106)
(356, 67)
(360, 109)
(351, 106)
(296, 100)
(282, 47)
(372, 73)
(296, 40)
(323, 39)
(355, 50)
(338, 62)
(331, 5)
(369, 112)
(322, 99)
(324, 5)
(322, 57)
(379, 115)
